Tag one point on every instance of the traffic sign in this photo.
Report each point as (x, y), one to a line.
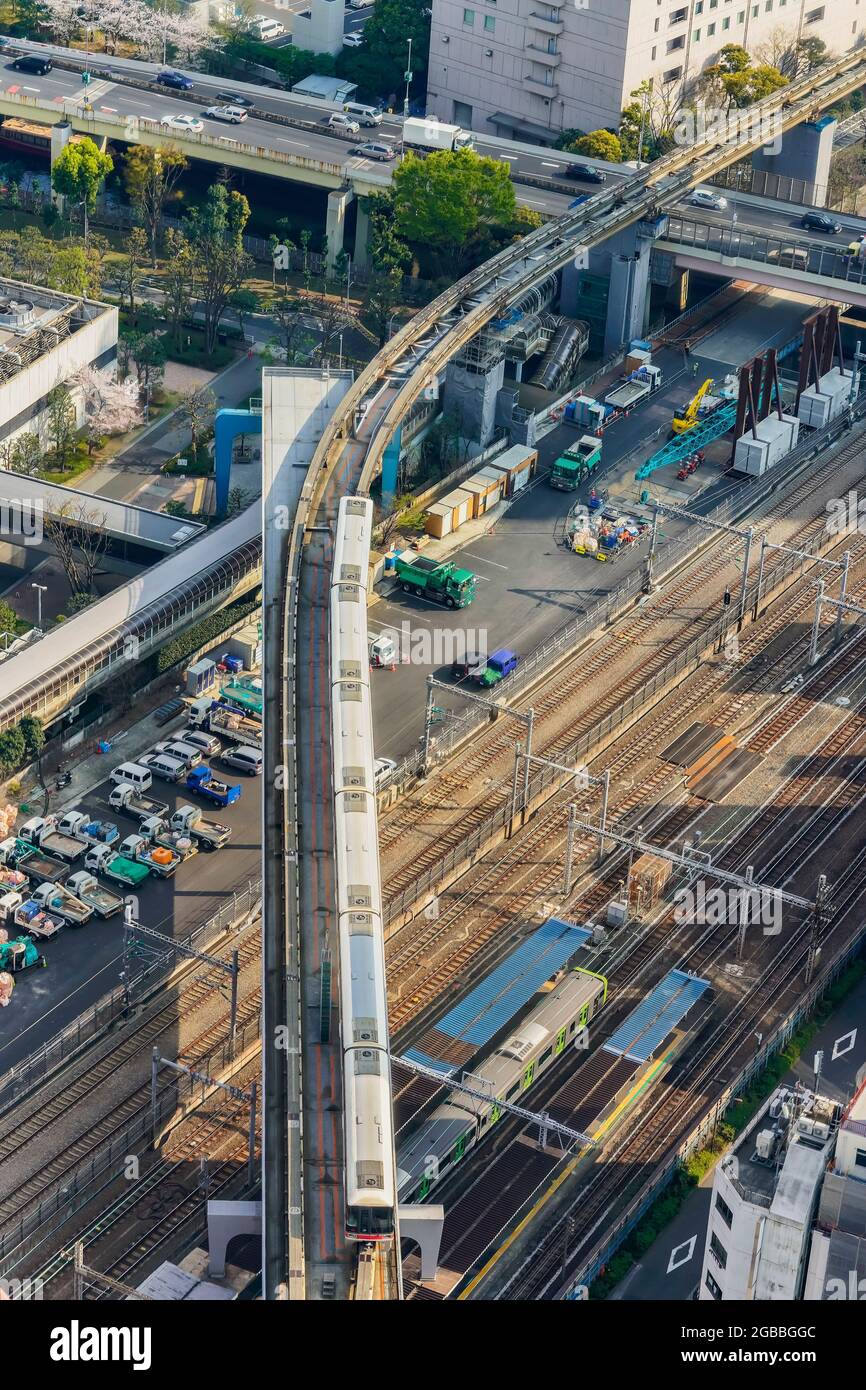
(85, 79)
(407, 76)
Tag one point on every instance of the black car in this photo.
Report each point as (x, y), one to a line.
(232, 99)
(31, 62)
(820, 222)
(586, 172)
(174, 79)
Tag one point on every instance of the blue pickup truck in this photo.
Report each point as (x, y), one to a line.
(202, 781)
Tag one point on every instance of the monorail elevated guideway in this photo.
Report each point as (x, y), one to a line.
(424, 345)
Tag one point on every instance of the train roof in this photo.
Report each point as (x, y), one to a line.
(647, 1026)
(493, 1003)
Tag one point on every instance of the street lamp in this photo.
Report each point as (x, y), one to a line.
(40, 590)
(408, 77)
(348, 280)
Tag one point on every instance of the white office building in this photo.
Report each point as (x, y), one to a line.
(765, 1196)
(45, 338)
(528, 69)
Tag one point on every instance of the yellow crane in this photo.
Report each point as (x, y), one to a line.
(689, 415)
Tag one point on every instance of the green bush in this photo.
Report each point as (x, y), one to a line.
(201, 634)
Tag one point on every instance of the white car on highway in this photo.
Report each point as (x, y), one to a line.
(352, 40)
(233, 114)
(185, 124)
(704, 198)
(339, 121)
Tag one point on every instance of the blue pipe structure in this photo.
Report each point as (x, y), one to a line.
(227, 426)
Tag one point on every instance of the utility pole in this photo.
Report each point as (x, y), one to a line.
(569, 851)
(819, 920)
(744, 898)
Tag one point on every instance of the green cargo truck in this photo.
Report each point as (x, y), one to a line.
(439, 580)
(576, 464)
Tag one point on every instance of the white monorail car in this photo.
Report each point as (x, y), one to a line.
(368, 1123)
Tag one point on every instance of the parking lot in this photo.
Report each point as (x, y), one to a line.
(84, 963)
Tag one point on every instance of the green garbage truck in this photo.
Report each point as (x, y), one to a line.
(439, 580)
(577, 463)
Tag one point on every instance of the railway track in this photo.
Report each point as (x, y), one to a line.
(197, 993)
(448, 788)
(829, 767)
(426, 957)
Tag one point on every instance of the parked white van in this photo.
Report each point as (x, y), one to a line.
(264, 29)
(136, 774)
(248, 760)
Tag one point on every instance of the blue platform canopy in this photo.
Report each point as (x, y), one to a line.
(495, 1001)
(648, 1025)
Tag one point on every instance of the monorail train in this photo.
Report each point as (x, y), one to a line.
(368, 1123)
(462, 1121)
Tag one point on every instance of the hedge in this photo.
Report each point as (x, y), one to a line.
(203, 633)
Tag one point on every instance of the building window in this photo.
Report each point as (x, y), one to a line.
(672, 75)
(860, 1158)
(674, 44)
(741, 17)
(489, 23)
(711, 29)
(726, 22)
(699, 7)
(814, 16)
(469, 17)
(713, 1286)
(696, 35)
(768, 6)
(718, 1251)
(678, 16)
(724, 1210)
(653, 54)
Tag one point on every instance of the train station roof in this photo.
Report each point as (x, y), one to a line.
(493, 1003)
(649, 1024)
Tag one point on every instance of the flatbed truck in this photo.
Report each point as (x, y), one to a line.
(91, 892)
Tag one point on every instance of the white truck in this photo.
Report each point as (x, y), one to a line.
(83, 827)
(426, 133)
(640, 384)
(210, 834)
(91, 892)
(205, 713)
(26, 915)
(126, 797)
(161, 832)
(42, 833)
(158, 858)
(102, 859)
(58, 900)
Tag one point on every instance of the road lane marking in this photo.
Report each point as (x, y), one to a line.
(472, 556)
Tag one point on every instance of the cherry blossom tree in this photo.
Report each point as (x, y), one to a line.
(110, 406)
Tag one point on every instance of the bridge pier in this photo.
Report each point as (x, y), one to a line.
(613, 294)
(339, 203)
(60, 137)
(362, 237)
(800, 171)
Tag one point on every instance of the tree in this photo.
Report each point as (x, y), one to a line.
(79, 537)
(70, 272)
(150, 177)
(79, 172)
(387, 249)
(179, 281)
(444, 202)
(378, 66)
(12, 749)
(215, 234)
(130, 268)
(380, 301)
(149, 352)
(8, 618)
(237, 501)
(110, 406)
(61, 422)
(749, 85)
(33, 733)
(198, 409)
(654, 109)
(293, 337)
(600, 144)
(23, 454)
(244, 302)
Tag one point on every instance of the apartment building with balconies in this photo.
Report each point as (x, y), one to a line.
(528, 69)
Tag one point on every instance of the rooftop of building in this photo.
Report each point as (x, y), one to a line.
(34, 320)
(121, 521)
(781, 1154)
(855, 1116)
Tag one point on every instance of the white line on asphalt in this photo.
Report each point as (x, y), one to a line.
(484, 561)
(551, 164)
(30, 89)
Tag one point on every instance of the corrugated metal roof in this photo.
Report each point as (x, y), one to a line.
(494, 1002)
(648, 1025)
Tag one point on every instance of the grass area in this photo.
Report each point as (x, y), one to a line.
(192, 352)
(78, 461)
(734, 1121)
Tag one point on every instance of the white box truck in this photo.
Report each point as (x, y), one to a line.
(425, 133)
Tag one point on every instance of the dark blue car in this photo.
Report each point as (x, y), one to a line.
(174, 79)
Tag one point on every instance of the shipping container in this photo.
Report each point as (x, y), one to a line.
(437, 522)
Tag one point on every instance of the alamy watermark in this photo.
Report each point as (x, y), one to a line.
(752, 127)
(22, 520)
(846, 514)
(715, 907)
(438, 646)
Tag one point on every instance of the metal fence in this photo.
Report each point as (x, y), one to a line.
(95, 1021)
(790, 251)
(134, 1137)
